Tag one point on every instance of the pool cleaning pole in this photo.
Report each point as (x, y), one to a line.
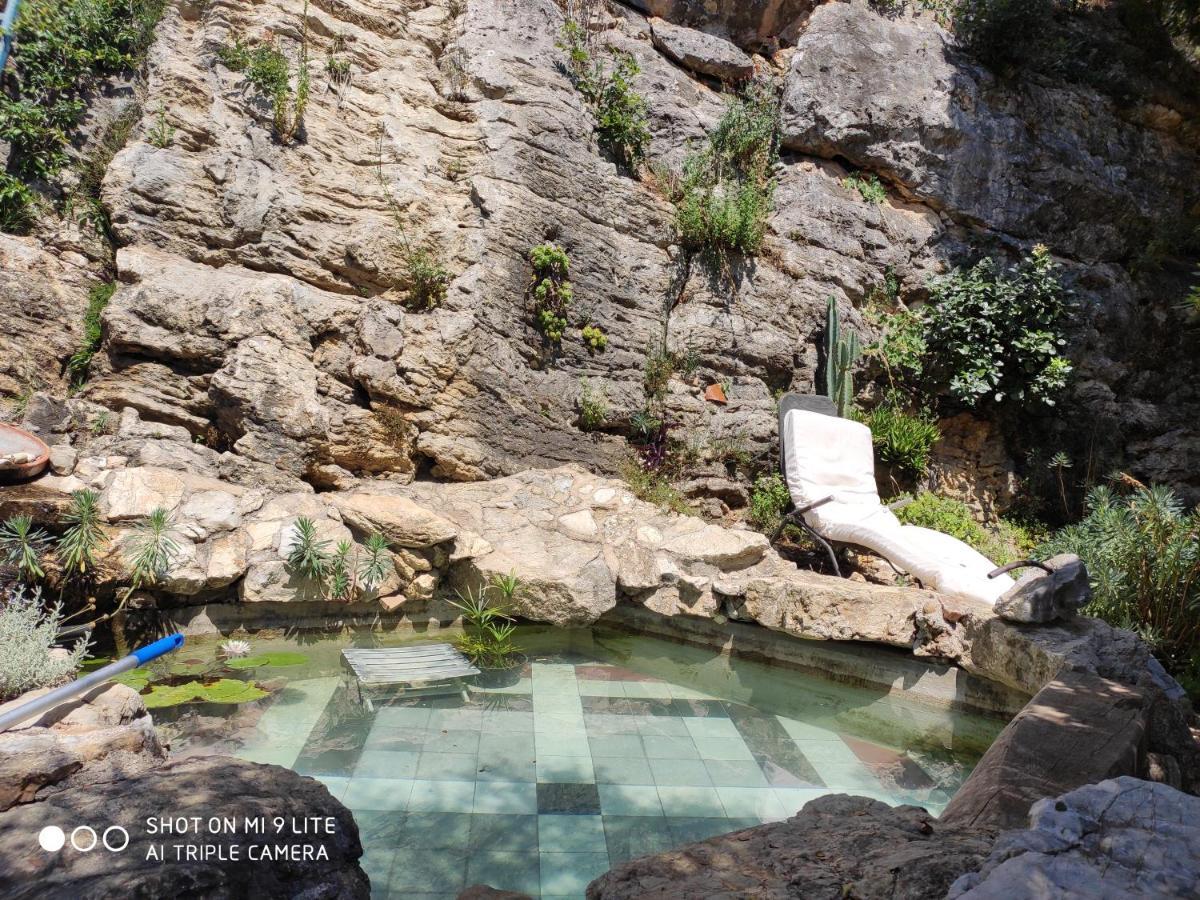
(6, 29)
(67, 691)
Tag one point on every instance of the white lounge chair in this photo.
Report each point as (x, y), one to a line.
(829, 465)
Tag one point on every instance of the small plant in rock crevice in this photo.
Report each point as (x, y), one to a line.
(425, 277)
(162, 132)
(726, 190)
(622, 127)
(269, 73)
(22, 545)
(81, 359)
(550, 290)
(869, 187)
(593, 407)
(769, 498)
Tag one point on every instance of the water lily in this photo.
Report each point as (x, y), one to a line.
(233, 649)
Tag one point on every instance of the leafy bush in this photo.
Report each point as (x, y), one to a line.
(1143, 555)
(996, 336)
(27, 634)
(60, 51)
(81, 359)
(953, 517)
(16, 205)
(903, 440)
(551, 290)
(726, 192)
(868, 187)
(427, 279)
(901, 346)
(621, 119)
(768, 499)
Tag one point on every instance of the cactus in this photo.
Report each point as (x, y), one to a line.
(840, 356)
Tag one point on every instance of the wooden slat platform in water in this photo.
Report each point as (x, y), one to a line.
(426, 668)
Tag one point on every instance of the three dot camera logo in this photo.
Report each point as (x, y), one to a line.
(84, 838)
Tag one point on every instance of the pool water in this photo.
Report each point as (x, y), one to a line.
(602, 747)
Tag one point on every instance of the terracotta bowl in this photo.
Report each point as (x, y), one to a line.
(14, 440)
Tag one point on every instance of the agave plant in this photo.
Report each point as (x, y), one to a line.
(84, 534)
(21, 547)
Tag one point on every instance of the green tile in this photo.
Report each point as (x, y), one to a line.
(402, 717)
(571, 834)
(277, 753)
(504, 721)
(565, 769)
(402, 739)
(618, 770)
(378, 793)
(662, 726)
(436, 831)
(335, 784)
(657, 690)
(501, 767)
(691, 801)
(762, 802)
(570, 744)
(377, 863)
(680, 772)
(835, 752)
(629, 800)
(505, 870)
(722, 748)
(514, 797)
(379, 829)
(735, 773)
(559, 723)
(504, 832)
(571, 873)
(447, 767)
(429, 871)
(669, 747)
(712, 727)
(442, 796)
(589, 688)
(689, 829)
(512, 746)
(803, 731)
(793, 799)
(386, 764)
(606, 723)
(456, 741)
(632, 836)
(455, 719)
(621, 745)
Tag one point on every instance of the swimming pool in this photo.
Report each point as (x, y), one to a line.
(602, 747)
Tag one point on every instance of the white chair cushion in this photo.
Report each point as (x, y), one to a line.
(828, 456)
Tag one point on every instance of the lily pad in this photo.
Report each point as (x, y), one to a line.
(274, 660)
(136, 679)
(190, 666)
(226, 690)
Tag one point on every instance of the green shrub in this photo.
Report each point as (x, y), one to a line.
(620, 111)
(16, 205)
(903, 440)
(996, 336)
(657, 371)
(953, 517)
(869, 187)
(27, 634)
(901, 347)
(81, 359)
(726, 191)
(653, 486)
(768, 499)
(1143, 555)
(162, 132)
(60, 51)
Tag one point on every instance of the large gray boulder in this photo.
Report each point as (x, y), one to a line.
(267, 863)
(754, 24)
(705, 54)
(1122, 838)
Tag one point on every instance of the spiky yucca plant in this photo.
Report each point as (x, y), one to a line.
(84, 535)
(21, 547)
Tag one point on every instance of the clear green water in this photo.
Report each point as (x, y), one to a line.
(604, 746)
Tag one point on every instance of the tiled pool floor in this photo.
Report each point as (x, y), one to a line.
(543, 785)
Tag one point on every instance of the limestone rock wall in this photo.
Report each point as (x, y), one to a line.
(260, 285)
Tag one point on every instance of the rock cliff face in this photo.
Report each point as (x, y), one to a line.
(259, 290)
